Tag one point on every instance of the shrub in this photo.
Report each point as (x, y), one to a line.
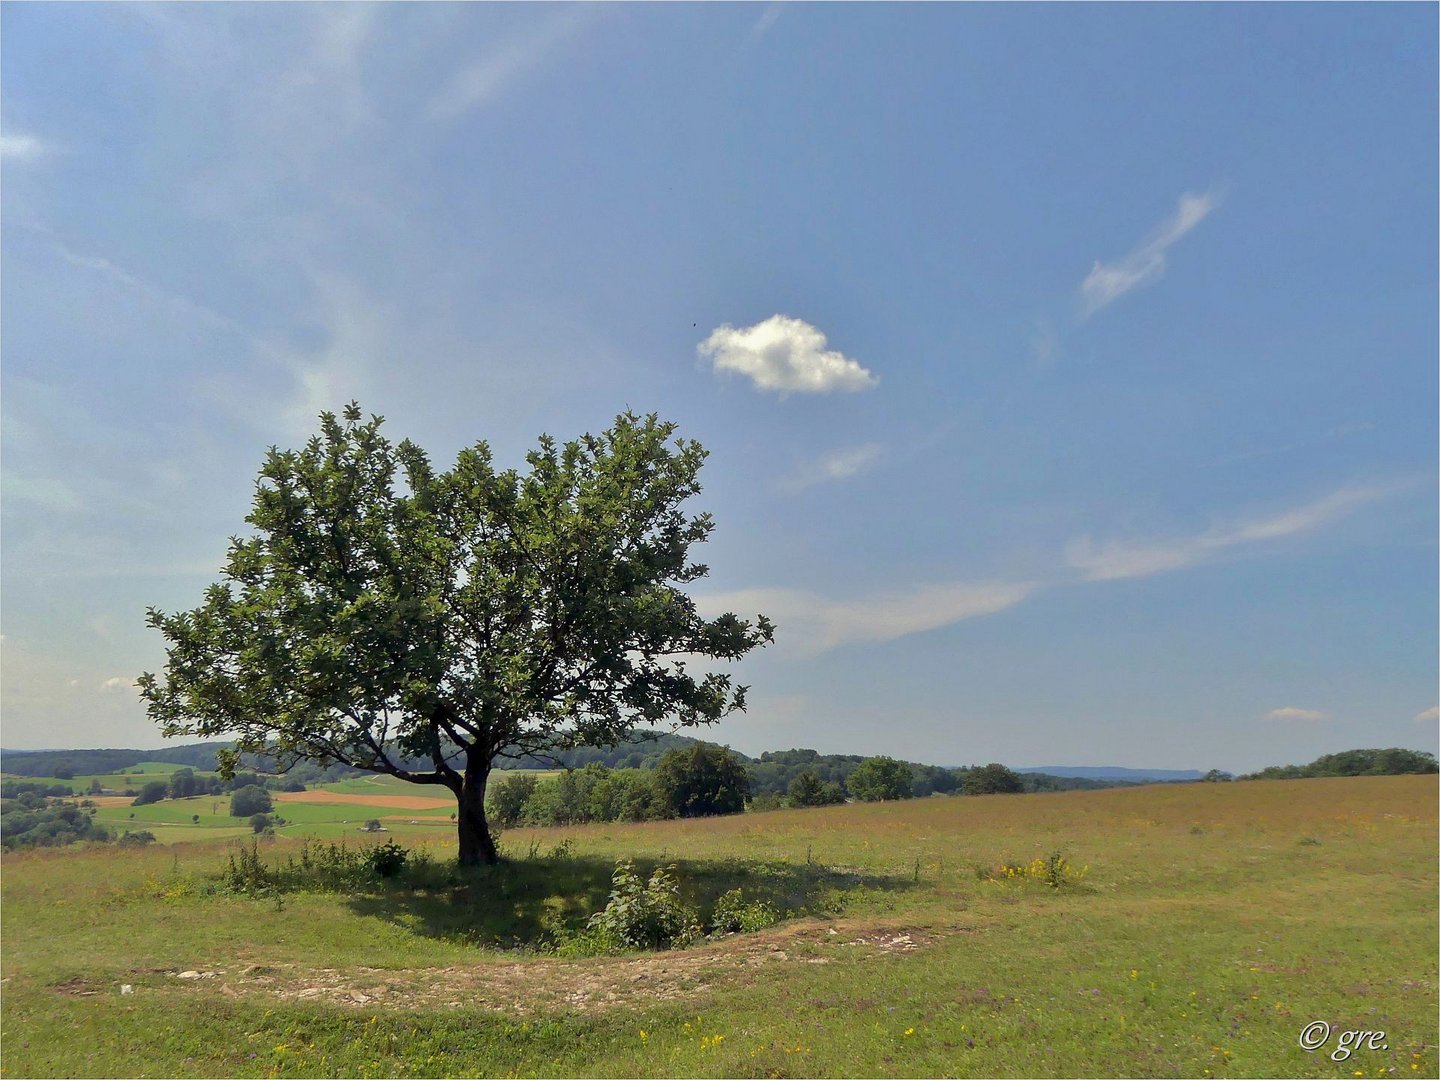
(766, 800)
(733, 914)
(373, 825)
(1053, 871)
(645, 914)
(136, 839)
(260, 822)
(388, 860)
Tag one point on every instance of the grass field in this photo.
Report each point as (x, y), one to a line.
(135, 777)
(1215, 922)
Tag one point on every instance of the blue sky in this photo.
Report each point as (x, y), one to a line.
(1069, 372)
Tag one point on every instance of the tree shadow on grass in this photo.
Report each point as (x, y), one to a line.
(521, 903)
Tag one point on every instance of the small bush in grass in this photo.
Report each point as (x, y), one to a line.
(1053, 871)
(734, 914)
(136, 839)
(387, 860)
(260, 822)
(644, 914)
(246, 874)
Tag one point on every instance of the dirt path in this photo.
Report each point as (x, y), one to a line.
(522, 987)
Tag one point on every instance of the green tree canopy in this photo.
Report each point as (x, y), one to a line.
(249, 801)
(383, 608)
(879, 779)
(992, 779)
(153, 791)
(702, 780)
(807, 789)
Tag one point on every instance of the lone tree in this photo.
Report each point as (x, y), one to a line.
(384, 612)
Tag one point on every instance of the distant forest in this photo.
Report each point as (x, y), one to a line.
(1389, 762)
(770, 773)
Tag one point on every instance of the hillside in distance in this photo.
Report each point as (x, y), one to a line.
(1114, 772)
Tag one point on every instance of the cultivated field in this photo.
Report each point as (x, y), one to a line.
(1214, 923)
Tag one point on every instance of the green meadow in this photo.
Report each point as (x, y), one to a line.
(133, 777)
(1211, 924)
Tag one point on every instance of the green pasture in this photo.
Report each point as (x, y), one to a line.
(1214, 923)
(136, 776)
(392, 785)
(214, 812)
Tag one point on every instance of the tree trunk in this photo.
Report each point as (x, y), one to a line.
(477, 846)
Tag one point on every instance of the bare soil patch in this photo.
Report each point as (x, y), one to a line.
(523, 987)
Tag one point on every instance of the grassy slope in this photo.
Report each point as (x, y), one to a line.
(1215, 922)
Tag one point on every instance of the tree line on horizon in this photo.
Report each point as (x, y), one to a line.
(772, 772)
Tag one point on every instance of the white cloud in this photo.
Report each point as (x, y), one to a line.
(814, 624)
(488, 77)
(1113, 561)
(53, 495)
(837, 465)
(1429, 716)
(1107, 283)
(17, 147)
(117, 682)
(784, 354)
(1044, 344)
(119, 276)
(1292, 713)
(767, 19)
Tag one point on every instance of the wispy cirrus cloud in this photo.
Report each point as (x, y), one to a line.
(784, 354)
(480, 82)
(1289, 712)
(17, 146)
(1428, 716)
(1129, 559)
(1107, 282)
(117, 275)
(834, 466)
(766, 20)
(811, 624)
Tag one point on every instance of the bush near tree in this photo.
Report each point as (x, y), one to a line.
(881, 779)
(507, 797)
